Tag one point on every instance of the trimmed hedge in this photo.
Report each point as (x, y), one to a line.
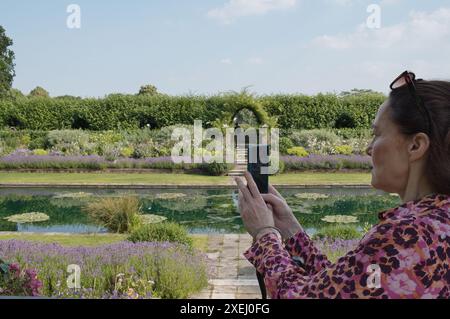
(118, 111)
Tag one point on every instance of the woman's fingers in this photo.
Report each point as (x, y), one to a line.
(272, 199)
(252, 186)
(241, 202)
(272, 190)
(243, 189)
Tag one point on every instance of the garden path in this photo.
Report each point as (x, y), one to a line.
(233, 277)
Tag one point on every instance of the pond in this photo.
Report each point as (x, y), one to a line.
(200, 210)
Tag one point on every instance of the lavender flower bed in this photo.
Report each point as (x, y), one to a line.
(94, 162)
(121, 270)
(22, 160)
(327, 162)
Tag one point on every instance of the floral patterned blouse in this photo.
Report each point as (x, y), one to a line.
(406, 255)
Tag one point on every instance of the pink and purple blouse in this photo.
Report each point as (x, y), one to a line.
(406, 255)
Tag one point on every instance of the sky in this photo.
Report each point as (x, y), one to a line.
(212, 46)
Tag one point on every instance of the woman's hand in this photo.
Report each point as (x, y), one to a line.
(283, 217)
(254, 211)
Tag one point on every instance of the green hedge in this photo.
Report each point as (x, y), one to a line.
(119, 111)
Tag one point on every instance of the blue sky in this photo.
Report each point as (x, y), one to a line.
(206, 47)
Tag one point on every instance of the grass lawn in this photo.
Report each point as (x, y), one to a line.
(200, 241)
(176, 179)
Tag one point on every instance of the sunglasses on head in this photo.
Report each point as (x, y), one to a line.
(409, 79)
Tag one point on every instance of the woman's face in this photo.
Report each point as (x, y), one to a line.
(388, 150)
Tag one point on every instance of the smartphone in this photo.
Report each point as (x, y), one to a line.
(258, 156)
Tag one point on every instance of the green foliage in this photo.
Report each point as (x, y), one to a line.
(297, 151)
(130, 112)
(40, 152)
(127, 152)
(161, 232)
(338, 231)
(39, 92)
(215, 169)
(148, 90)
(345, 120)
(69, 142)
(7, 72)
(317, 141)
(285, 144)
(344, 149)
(119, 215)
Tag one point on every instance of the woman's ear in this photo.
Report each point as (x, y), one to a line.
(418, 146)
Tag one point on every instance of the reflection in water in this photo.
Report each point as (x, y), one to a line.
(201, 211)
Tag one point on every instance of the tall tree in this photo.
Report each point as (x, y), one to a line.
(7, 72)
(39, 92)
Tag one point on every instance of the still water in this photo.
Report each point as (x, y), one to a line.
(201, 211)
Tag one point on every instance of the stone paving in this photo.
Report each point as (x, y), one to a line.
(233, 277)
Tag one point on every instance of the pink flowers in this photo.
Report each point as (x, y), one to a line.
(401, 284)
(18, 282)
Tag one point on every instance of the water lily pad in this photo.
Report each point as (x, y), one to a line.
(152, 219)
(27, 218)
(170, 195)
(344, 219)
(73, 195)
(311, 196)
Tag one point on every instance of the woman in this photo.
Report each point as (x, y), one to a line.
(407, 254)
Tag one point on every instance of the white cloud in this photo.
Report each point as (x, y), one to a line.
(255, 60)
(226, 61)
(234, 9)
(352, 2)
(422, 30)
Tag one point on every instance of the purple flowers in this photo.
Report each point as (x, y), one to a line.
(124, 269)
(17, 282)
(21, 160)
(327, 162)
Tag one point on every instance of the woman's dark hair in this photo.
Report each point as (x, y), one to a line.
(411, 120)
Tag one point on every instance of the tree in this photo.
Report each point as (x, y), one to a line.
(358, 92)
(39, 92)
(148, 90)
(7, 72)
(14, 94)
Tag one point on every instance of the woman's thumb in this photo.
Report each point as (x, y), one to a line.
(271, 199)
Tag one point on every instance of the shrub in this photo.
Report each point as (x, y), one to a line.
(318, 141)
(215, 169)
(126, 152)
(297, 151)
(148, 90)
(118, 111)
(18, 282)
(70, 142)
(40, 152)
(285, 144)
(338, 231)
(39, 92)
(145, 150)
(344, 149)
(119, 215)
(294, 163)
(345, 120)
(161, 232)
